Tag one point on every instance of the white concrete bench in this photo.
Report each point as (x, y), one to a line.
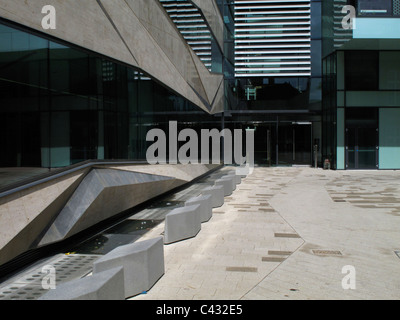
(243, 171)
(217, 193)
(107, 285)
(229, 184)
(182, 223)
(234, 179)
(143, 264)
(205, 203)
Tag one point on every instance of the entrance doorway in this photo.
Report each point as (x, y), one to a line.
(362, 139)
(295, 144)
(284, 144)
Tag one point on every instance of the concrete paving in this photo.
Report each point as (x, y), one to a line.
(288, 233)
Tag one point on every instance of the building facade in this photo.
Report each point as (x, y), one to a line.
(276, 84)
(92, 87)
(361, 66)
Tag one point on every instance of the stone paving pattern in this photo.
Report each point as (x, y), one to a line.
(263, 243)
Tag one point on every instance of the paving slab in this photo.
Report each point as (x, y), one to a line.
(239, 253)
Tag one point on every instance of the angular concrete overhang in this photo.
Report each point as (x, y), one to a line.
(136, 32)
(61, 207)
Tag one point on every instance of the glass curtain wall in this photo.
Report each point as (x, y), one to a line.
(60, 105)
(329, 114)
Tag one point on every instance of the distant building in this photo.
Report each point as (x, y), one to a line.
(276, 84)
(361, 67)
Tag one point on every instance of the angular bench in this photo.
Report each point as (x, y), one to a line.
(182, 223)
(243, 171)
(107, 285)
(205, 203)
(143, 264)
(238, 179)
(234, 179)
(217, 193)
(229, 184)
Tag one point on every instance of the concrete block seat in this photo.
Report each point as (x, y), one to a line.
(234, 179)
(238, 179)
(229, 184)
(182, 223)
(143, 264)
(205, 202)
(217, 193)
(237, 173)
(243, 171)
(107, 285)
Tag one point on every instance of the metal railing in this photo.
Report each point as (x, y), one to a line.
(36, 180)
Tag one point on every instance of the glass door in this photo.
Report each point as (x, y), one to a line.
(295, 144)
(362, 138)
(362, 148)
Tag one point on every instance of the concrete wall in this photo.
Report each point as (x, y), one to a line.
(24, 215)
(136, 32)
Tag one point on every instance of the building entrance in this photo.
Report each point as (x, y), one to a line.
(284, 144)
(295, 144)
(362, 138)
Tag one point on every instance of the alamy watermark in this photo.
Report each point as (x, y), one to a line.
(349, 281)
(349, 20)
(49, 279)
(49, 21)
(167, 152)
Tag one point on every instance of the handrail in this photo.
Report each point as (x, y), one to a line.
(58, 173)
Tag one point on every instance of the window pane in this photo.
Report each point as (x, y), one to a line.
(362, 70)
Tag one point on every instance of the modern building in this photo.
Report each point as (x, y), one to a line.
(92, 88)
(361, 69)
(87, 80)
(109, 72)
(276, 84)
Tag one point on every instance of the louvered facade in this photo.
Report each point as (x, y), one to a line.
(273, 38)
(193, 27)
(341, 35)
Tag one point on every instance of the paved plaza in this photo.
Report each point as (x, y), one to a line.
(289, 233)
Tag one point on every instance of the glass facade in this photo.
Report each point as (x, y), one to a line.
(362, 70)
(282, 105)
(360, 89)
(360, 85)
(60, 105)
(329, 115)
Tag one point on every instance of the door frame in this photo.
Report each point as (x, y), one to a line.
(376, 167)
